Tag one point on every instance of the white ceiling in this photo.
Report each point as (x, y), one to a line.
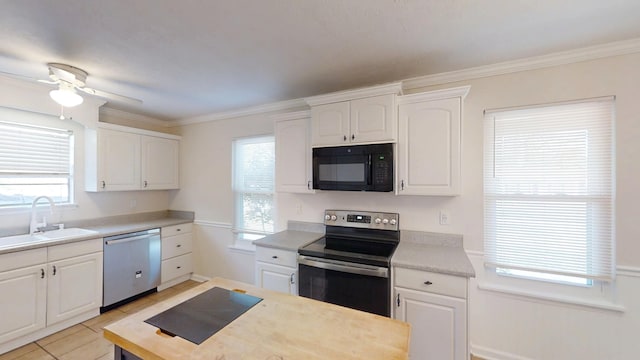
(189, 58)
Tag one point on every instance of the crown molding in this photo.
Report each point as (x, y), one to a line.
(125, 115)
(253, 110)
(294, 115)
(537, 62)
(460, 91)
(392, 88)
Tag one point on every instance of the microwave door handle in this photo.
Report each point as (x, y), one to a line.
(370, 172)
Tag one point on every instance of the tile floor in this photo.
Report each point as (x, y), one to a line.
(85, 341)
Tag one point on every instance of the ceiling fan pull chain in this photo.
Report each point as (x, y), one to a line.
(61, 112)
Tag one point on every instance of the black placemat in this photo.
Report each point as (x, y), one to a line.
(202, 316)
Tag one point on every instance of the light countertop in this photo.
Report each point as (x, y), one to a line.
(290, 240)
(278, 327)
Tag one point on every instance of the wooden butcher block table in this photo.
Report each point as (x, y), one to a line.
(280, 326)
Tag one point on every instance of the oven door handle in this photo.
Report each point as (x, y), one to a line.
(359, 269)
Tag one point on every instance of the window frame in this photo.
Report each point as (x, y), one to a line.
(243, 236)
(67, 176)
(511, 273)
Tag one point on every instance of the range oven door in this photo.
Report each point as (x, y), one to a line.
(357, 286)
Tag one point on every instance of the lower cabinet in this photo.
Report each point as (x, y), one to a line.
(177, 259)
(436, 307)
(42, 287)
(277, 270)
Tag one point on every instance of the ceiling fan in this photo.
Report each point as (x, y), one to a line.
(70, 80)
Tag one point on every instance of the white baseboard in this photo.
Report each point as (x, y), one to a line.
(199, 278)
(492, 354)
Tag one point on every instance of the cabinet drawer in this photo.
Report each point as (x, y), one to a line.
(65, 251)
(176, 245)
(176, 267)
(277, 256)
(21, 259)
(438, 283)
(177, 229)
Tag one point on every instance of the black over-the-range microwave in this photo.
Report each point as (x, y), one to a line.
(354, 168)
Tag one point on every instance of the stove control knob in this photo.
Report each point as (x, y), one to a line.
(385, 221)
(378, 220)
(327, 217)
(393, 221)
(334, 218)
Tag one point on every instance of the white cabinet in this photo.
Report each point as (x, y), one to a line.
(293, 153)
(42, 287)
(74, 283)
(159, 163)
(354, 117)
(120, 158)
(277, 269)
(436, 307)
(429, 143)
(177, 256)
(23, 297)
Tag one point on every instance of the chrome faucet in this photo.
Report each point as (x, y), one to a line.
(34, 225)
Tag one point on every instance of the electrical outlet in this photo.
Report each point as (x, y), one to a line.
(445, 217)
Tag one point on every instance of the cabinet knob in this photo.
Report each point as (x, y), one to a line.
(103, 184)
(353, 136)
(274, 257)
(145, 183)
(344, 138)
(401, 184)
(178, 267)
(178, 229)
(308, 185)
(428, 282)
(179, 245)
(41, 273)
(54, 270)
(398, 300)
(292, 279)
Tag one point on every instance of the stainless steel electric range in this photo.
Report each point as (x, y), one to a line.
(349, 266)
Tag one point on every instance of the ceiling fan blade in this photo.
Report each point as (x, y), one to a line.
(47, 82)
(17, 76)
(110, 96)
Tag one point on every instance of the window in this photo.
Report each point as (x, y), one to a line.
(548, 192)
(253, 186)
(35, 161)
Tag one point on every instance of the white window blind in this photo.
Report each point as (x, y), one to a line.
(34, 161)
(548, 188)
(253, 184)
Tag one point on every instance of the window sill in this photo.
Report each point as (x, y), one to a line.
(603, 304)
(242, 249)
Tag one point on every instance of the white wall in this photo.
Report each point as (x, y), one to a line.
(29, 103)
(501, 326)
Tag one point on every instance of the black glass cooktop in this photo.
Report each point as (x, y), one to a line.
(346, 249)
(202, 316)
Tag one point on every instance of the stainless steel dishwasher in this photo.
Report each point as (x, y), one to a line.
(131, 266)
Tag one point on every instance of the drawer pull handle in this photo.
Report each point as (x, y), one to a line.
(274, 257)
(178, 229)
(178, 267)
(54, 270)
(178, 245)
(428, 283)
(41, 273)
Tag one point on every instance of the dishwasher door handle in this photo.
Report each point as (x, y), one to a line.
(129, 239)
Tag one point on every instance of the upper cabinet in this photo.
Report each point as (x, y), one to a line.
(429, 142)
(293, 152)
(119, 158)
(354, 117)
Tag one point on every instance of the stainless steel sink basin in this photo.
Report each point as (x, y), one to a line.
(54, 235)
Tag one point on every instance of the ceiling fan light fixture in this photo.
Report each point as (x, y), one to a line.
(66, 97)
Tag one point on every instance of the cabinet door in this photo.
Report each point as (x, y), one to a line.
(429, 148)
(438, 324)
(278, 278)
(160, 159)
(373, 119)
(293, 156)
(119, 160)
(23, 301)
(330, 124)
(74, 287)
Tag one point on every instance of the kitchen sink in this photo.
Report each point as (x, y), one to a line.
(53, 235)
